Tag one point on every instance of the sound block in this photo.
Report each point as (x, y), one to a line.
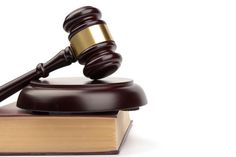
(81, 95)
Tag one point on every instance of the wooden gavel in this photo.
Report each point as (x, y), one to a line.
(90, 43)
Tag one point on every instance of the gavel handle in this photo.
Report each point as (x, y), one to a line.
(63, 58)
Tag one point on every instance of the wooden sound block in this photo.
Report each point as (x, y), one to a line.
(81, 95)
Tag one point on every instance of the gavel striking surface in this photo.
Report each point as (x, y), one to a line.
(81, 95)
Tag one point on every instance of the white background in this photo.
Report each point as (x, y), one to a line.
(183, 53)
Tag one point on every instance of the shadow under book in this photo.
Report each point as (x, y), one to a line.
(69, 116)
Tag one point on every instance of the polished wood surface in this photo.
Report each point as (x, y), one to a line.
(99, 59)
(62, 59)
(81, 95)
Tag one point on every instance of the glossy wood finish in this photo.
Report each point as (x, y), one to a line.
(100, 60)
(82, 18)
(80, 95)
(62, 59)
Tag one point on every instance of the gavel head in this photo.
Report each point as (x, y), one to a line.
(91, 42)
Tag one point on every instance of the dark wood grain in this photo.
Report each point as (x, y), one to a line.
(100, 60)
(62, 59)
(80, 95)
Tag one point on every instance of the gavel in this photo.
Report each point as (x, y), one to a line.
(90, 43)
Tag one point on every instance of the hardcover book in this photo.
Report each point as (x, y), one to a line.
(23, 133)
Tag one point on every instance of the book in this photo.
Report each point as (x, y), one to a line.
(24, 133)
